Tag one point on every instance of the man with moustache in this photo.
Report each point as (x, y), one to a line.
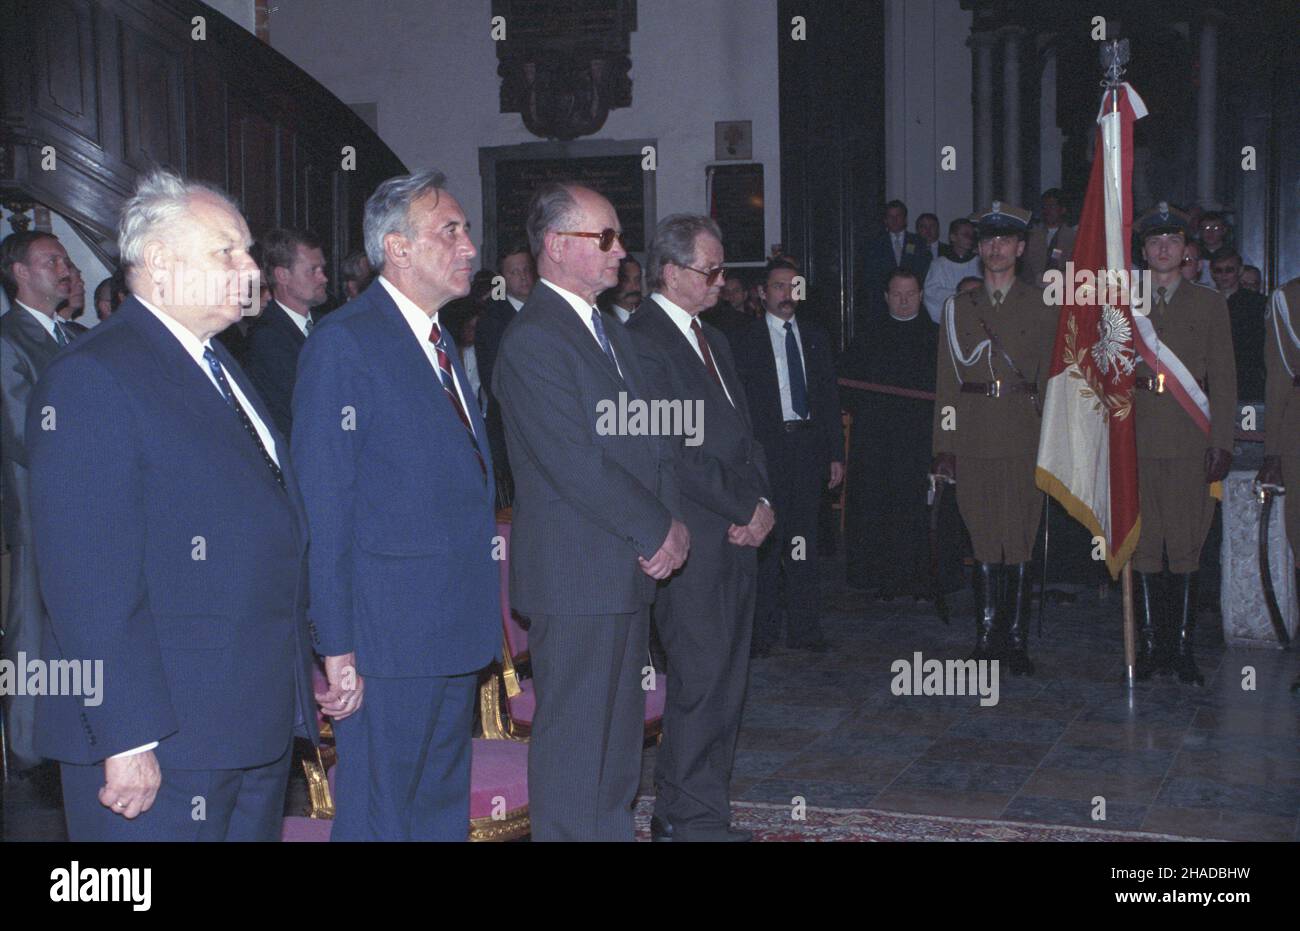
(788, 372)
(708, 607)
(397, 479)
(995, 346)
(1179, 455)
(74, 306)
(622, 300)
(293, 264)
(37, 276)
(195, 598)
(594, 524)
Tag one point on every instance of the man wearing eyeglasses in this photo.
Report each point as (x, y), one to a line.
(1247, 311)
(1213, 231)
(594, 521)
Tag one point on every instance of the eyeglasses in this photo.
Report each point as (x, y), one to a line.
(711, 276)
(606, 237)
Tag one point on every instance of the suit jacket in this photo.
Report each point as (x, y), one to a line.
(401, 518)
(185, 572)
(589, 498)
(880, 262)
(487, 342)
(756, 364)
(722, 477)
(74, 328)
(1037, 260)
(1247, 313)
(1282, 401)
(26, 348)
(271, 361)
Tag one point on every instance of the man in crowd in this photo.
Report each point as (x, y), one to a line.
(992, 365)
(958, 261)
(728, 314)
(356, 274)
(294, 266)
(74, 306)
(787, 368)
(927, 227)
(37, 276)
(195, 597)
(594, 524)
(1181, 451)
(1190, 267)
(1050, 244)
(397, 479)
(896, 248)
(708, 614)
(622, 300)
(1214, 233)
(1247, 310)
(519, 274)
(105, 300)
(1251, 279)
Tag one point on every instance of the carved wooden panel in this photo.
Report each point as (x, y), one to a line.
(65, 68)
(152, 100)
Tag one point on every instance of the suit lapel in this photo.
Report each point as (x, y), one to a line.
(39, 343)
(576, 330)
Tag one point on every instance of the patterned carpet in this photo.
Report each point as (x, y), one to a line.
(771, 822)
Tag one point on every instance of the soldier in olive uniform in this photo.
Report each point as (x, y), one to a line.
(995, 349)
(1282, 408)
(1177, 461)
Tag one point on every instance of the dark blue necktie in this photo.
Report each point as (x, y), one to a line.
(794, 362)
(220, 375)
(60, 336)
(603, 339)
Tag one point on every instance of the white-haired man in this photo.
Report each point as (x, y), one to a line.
(194, 597)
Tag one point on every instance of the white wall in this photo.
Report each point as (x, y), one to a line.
(243, 12)
(92, 270)
(432, 69)
(927, 107)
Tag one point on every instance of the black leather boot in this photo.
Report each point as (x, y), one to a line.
(1019, 607)
(1147, 604)
(1183, 614)
(986, 579)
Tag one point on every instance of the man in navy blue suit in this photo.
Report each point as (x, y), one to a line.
(895, 248)
(397, 479)
(293, 264)
(194, 592)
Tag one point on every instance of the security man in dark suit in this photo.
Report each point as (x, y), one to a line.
(705, 614)
(895, 248)
(1179, 455)
(37, 275)
(195, 598)
(594, 525)
(995, 348)
(1247, 310)
(293, 264)
(788, 371)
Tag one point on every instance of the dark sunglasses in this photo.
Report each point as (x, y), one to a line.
(711, 276)
(606, 237)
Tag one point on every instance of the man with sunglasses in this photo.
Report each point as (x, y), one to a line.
(705, 614)
(594, 521)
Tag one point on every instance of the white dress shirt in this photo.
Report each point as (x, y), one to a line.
(47, 321)
(194, 348)
(299, 320)
(776, 331)
(583, 310)
(623, 314)
(469, 359)
(517, 304)
(683, 320)
(421, 325)
(897, 240)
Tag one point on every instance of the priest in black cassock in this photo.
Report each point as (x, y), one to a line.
(887, 532)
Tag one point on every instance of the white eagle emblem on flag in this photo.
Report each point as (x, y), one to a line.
(1112, 353)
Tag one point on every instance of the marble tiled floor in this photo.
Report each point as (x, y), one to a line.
(1217, 761)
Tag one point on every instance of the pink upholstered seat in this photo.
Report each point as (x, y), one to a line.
(498, 769)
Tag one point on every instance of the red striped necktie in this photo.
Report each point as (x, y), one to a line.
(449, 386)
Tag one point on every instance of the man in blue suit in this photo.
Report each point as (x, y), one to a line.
(194, 591)
(895, 248)
(397, 479)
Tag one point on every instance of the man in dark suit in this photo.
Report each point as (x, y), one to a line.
(709, 605)
(397, 479)
(293, 264)
(897, 248)
(1248, 312)
(195, 597)
(788, 371)
(728, 314)
(519, 275)
(37, 275)
(594, 524)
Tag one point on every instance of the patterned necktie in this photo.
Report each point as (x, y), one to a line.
(307, 327)
(449, 386)
(601, 338)
(220, 375)
(60, 337)
(706, 352)
(794, 363)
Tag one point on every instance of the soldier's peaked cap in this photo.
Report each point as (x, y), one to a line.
(1001, 219)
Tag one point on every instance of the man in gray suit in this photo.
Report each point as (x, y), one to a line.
(37, 276)
(594, 523)
(705, 615)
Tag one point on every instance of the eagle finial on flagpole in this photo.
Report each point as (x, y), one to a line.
(1114, 56)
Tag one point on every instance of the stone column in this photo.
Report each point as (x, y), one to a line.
(982, 43)
(1011, 180)
(1206, 102)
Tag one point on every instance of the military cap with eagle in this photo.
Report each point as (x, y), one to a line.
(1001, 219)
(1163, 218)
